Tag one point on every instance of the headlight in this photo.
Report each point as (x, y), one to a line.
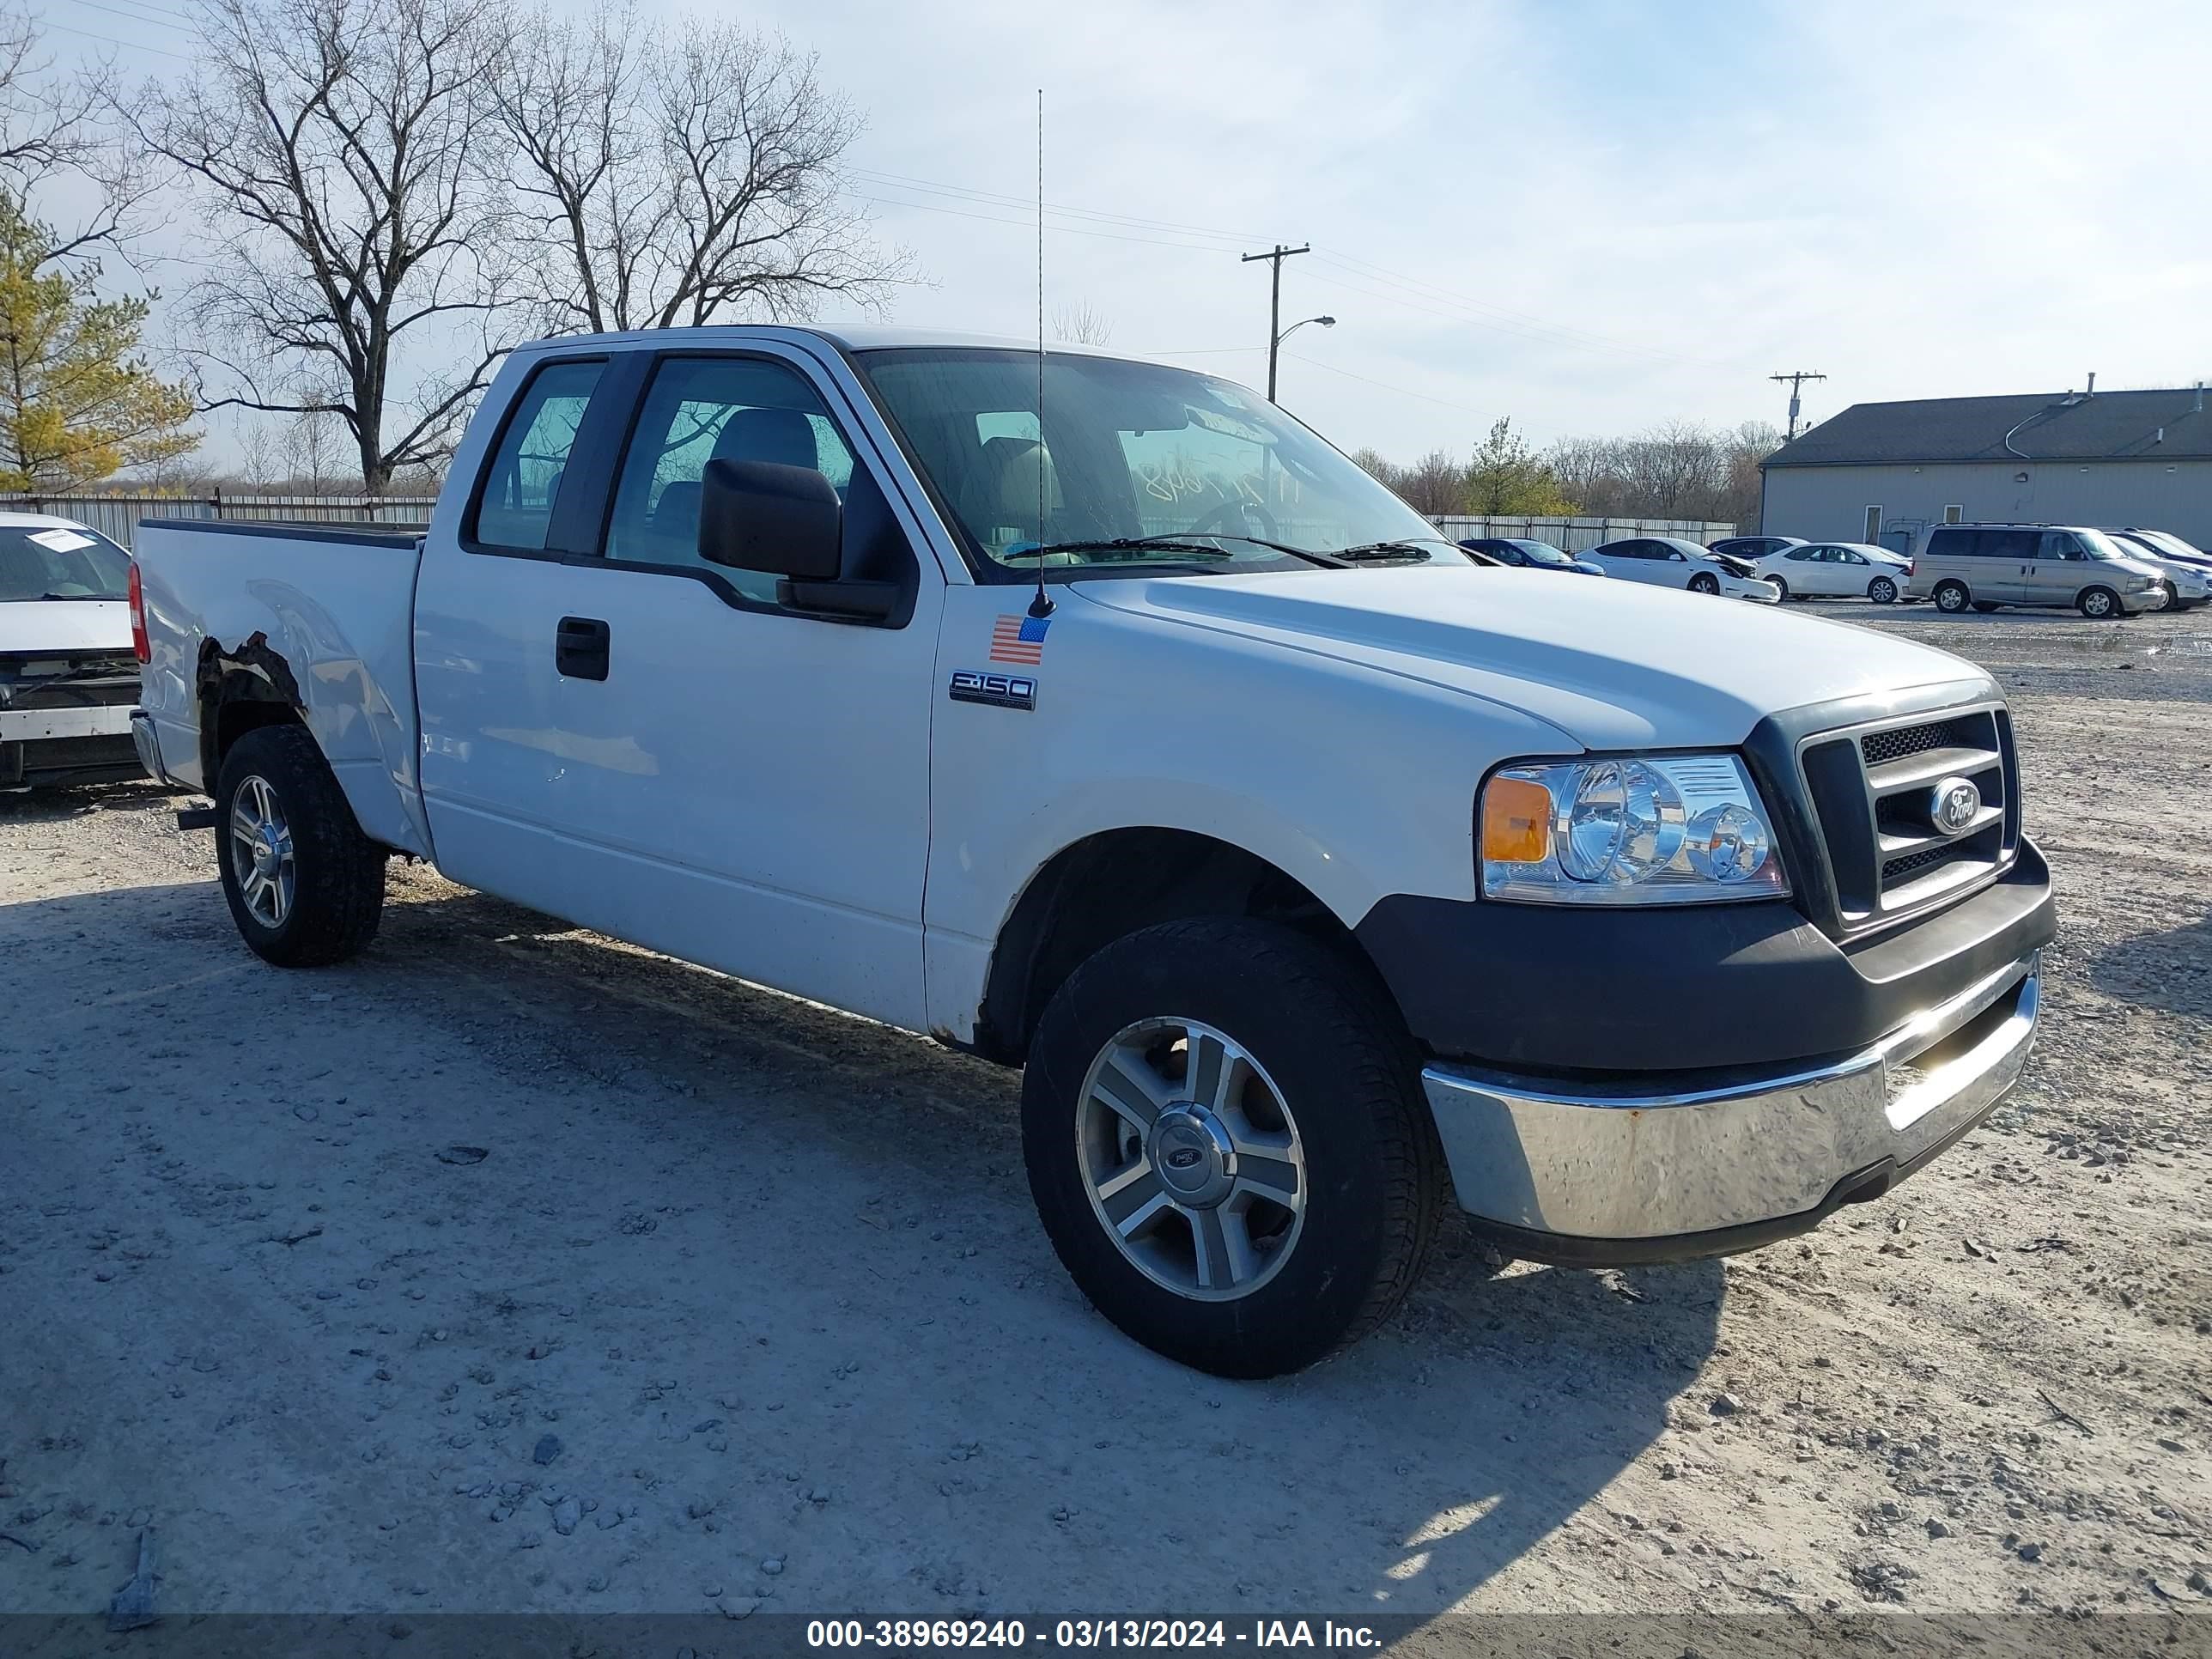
(1681, 829)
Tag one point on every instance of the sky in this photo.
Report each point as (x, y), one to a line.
(1589, 215)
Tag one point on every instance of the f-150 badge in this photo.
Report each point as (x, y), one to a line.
(988, 686)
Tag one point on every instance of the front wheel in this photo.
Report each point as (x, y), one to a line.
(304, 886)
(1882, 591)
(2099, 604)
(1228, 1147)
(1703, 583)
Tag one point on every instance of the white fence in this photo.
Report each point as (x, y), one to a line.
(1574, 535)
(117, 516)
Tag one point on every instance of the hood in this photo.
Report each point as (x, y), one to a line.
(1613, 664)
(65, 627)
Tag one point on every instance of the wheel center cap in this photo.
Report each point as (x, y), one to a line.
(264, 855)
(1192, 1154)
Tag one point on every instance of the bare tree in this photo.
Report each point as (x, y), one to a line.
(1082, 324)
(1437, 484)
(670, 178)
(341, 148)
(50, 134)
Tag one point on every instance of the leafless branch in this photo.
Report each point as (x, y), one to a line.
(343, 152)
(671, 178)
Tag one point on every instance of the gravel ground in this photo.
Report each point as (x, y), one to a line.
(510, 1268)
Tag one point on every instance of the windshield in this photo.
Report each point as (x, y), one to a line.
(1130, 450)
(60, 562)
(2166, 542)
(2102, 546)
(1542, 552)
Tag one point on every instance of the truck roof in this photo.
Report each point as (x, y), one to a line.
(857, 337)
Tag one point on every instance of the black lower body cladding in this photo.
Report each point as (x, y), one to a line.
(1665, 989)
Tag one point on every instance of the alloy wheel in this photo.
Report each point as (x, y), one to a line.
(261, 856)
(1191, 1158)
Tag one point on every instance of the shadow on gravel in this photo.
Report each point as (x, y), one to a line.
(2171, 970)
(843, 1190)
(52, 805)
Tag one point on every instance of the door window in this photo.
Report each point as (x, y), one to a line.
(707, 409)
(1801, 554)
(2062, 544)
(2018, 546)
(514, 507)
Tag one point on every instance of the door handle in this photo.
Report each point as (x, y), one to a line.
(579, 649)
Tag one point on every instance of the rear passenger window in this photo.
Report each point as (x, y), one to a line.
(705, 409)
(2018, 544)
(514, 507)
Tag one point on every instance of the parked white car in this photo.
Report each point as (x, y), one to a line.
(1671, 562)
(67, 675)
(1838, 570)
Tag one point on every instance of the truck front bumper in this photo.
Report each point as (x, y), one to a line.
(1607, 1176)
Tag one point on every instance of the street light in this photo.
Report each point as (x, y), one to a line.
(1275, 345)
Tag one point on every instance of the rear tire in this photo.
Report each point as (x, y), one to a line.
(304, 886)
(1782, 588)
(1951, 597)
(2099, 604)
(1704, 583)
(1883, 590)
(1318, 1091)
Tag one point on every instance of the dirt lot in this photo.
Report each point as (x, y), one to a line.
(511, 1268)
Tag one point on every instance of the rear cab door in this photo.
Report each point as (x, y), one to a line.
(626, 736)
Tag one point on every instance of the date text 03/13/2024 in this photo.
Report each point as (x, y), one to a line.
(1073, 1635)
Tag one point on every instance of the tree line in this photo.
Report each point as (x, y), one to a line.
(390, 195)
(1677, 470)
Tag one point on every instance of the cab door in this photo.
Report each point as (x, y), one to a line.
(627, 736)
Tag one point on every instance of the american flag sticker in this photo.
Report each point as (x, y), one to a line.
(1019, 639)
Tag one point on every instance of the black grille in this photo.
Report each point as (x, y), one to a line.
(1903, 740)
(1920, 860)
(1873, 794)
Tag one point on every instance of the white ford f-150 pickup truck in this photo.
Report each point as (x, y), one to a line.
(1314, 868)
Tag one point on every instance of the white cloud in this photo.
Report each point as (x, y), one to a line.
(1590, 217)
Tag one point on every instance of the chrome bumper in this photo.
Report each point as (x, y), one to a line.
(148, 745)
(1744, 1160)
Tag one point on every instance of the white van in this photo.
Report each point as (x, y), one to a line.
(1987, 565)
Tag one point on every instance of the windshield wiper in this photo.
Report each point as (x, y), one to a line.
(1172, 543)
(1381, 552)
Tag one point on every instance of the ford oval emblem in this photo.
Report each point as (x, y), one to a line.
(1184, 1158)
(1953, 805)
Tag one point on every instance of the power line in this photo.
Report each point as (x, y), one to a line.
(134, 45)
(135, 17)
(992, 197)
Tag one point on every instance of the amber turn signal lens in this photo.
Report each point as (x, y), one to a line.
(1517, 822)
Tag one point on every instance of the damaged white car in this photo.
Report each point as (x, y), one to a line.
(67, 675)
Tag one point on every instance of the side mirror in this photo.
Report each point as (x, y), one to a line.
(757, 515)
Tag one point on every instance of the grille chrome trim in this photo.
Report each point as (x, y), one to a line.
(1867, 784)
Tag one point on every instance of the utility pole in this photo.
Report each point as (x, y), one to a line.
(1274, 303)
(1796, 377)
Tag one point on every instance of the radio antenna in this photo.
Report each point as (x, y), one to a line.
(1040, 606)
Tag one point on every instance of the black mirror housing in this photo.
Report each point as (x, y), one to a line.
(757, 515)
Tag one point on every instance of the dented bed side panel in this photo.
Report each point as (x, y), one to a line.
(322, 625)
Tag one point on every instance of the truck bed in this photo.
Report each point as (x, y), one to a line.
(317, 617)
